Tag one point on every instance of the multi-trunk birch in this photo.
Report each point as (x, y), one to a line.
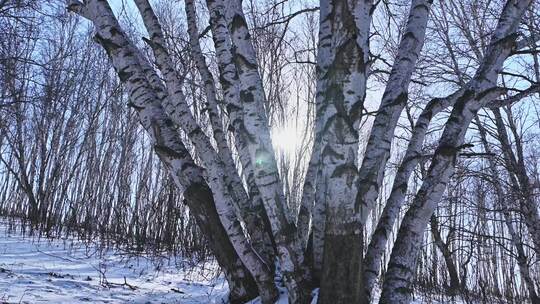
(250, 209)
(127, 62)
(257, 135)
(228, 79)
(337, 196)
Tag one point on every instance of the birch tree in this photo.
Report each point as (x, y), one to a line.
(480, 90)
(224, 161)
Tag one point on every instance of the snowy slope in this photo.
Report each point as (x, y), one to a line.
(63, 271)
(67, 271)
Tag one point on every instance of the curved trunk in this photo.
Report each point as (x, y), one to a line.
(377, 245)
(453, 287)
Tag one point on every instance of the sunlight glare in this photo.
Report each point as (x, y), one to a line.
(286, 140)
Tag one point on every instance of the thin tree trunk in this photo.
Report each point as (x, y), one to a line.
(516, 167)
(307, 202)
(501, 203)
(453, 287)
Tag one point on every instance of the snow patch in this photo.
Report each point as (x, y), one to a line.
(67, 271)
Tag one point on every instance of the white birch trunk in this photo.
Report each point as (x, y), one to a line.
(378, 147)
(394, 99)
(402, 266)
(167, 143)
(257, 135)
(342, 66)
(253, 216)
(233, 107)
(413, 154)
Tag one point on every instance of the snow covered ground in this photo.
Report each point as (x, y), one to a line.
(64, 271)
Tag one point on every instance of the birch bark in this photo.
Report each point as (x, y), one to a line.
(378, 147)
(394, 100)
(342, 66)
(233, 107)
(413, 155)
(397, 284)
(257, 136)
(253, 216)
(126, 61)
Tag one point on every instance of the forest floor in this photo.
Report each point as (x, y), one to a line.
(40, 270)
(36, 270)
